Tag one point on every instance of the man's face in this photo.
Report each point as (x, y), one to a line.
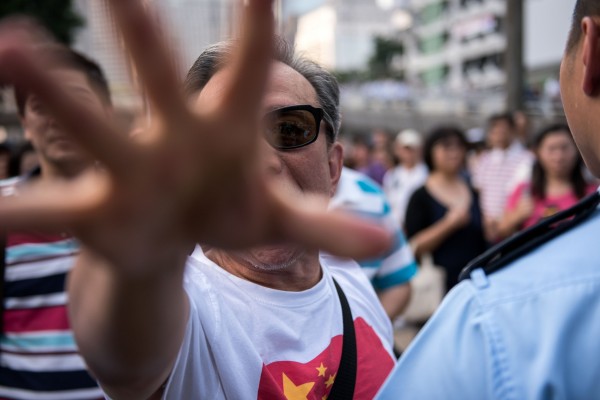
(312, 169)
(408, 155)
(500, 134)
(580, 109)
(54, 147)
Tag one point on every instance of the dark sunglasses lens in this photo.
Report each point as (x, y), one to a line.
(290, 129)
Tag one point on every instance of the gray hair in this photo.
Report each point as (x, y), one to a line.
(215, 57)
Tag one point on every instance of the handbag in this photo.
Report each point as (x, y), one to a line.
(427, 291)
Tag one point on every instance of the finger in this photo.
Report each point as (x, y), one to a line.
(24, 67)
(56, 206)
(339, 234)
(334, 232)
(153, 60)
(251, 61)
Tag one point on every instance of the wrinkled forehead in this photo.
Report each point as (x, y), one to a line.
(285, 87)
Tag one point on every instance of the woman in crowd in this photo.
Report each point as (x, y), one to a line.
(443, 217)
(557, 182)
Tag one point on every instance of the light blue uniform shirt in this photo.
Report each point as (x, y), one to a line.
(528, 331)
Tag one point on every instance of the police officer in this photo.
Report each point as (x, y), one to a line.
(524, 322)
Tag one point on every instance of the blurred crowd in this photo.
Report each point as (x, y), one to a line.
(455, 192)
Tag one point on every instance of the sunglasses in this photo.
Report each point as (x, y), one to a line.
(292, 127)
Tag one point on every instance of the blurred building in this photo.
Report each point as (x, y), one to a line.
(99, 40)
(192, 25)
(339, 33)
(460, 44)
(456, 44)
(454, 64)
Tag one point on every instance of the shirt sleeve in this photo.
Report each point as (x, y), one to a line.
(456, 355)
(398, 265)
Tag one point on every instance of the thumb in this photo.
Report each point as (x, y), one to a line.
(333, 231)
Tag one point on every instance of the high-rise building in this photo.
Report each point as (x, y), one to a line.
(460, 44)
(339, 33)
(99, 40)
(195, 24)
(456, 44)
(192, 26)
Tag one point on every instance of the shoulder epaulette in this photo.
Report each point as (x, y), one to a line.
(524, 242)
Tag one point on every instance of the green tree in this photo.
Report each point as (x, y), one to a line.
(380, 63)
(57, 16)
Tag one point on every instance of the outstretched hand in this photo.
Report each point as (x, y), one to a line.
(196, 177)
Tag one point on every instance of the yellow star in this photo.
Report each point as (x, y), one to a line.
(330, 380)
(293, 392)
(321, 370)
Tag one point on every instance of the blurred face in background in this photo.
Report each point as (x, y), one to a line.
(54, 147)
(500, 134)
(384, 157)
(380, 139)
(361, 155)
(408, 155)
(557, 154)
(448, 155)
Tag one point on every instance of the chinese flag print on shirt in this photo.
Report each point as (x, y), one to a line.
(289, 380)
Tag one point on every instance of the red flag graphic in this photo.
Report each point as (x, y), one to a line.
(290, 380)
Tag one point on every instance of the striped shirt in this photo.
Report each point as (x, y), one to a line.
(497, 174)
(38, 354)
(361, 196)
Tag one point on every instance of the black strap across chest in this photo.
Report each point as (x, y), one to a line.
(345, 379)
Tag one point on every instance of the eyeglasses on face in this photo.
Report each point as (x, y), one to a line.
(292, 127)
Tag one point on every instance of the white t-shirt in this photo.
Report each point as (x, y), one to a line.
(399, 184)
(246, 341)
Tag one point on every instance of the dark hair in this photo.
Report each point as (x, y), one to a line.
(435, 136)
(215, 57)
(18, 154)
(64, 57)
(506, 117)
(5, 149)
(538, 175)
(583, 8)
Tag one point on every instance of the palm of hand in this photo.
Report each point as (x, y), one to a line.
(196, 178)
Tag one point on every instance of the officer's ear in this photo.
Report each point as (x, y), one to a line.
(591, 56)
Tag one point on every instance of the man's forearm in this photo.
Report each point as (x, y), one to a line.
(395, 299)
(128, 328)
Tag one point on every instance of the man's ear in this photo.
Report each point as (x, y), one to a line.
(336, 161)
(591, 56)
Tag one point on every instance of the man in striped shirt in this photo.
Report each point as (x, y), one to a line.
(38, 354)
(391, 273)
(499, 169)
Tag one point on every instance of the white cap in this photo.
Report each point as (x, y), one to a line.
(409, 138)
